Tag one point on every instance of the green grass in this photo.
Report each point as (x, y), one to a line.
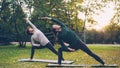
(10, 54)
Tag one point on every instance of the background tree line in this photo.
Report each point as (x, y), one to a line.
(13, 26)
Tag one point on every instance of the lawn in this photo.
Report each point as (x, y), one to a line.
(10, 54)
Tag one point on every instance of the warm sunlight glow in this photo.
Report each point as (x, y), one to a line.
(103, 18)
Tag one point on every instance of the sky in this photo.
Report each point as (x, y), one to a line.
(102, 19)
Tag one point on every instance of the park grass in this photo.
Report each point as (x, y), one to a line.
(9, 56)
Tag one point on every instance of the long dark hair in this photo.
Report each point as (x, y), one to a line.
(54, 31)
(55, 34)
(27, 30)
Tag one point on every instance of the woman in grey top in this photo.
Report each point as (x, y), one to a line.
(38, 39)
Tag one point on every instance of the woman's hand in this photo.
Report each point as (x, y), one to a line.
(45, 18)
(71, 49)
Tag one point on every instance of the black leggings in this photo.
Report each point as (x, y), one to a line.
(49, 46)
(84, 48)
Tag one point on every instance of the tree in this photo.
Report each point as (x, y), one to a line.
(67, 12)
(11, 22)
(116, 17)
(19, 23)
(111, 31)
(118, 36)
(89, 8)
(5, 25)
(94, 36)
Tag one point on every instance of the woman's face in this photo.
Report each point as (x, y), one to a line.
(56, 27)
(31, 30)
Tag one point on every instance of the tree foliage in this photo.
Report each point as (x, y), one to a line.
(13, 12)
(12, 24)
(5, 16)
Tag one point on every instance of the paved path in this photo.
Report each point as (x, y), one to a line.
(87, 44)
(17, 42)
(103, 44)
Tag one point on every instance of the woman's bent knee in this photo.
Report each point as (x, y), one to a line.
(60, 49)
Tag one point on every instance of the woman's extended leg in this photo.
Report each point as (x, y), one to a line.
(89, 52)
